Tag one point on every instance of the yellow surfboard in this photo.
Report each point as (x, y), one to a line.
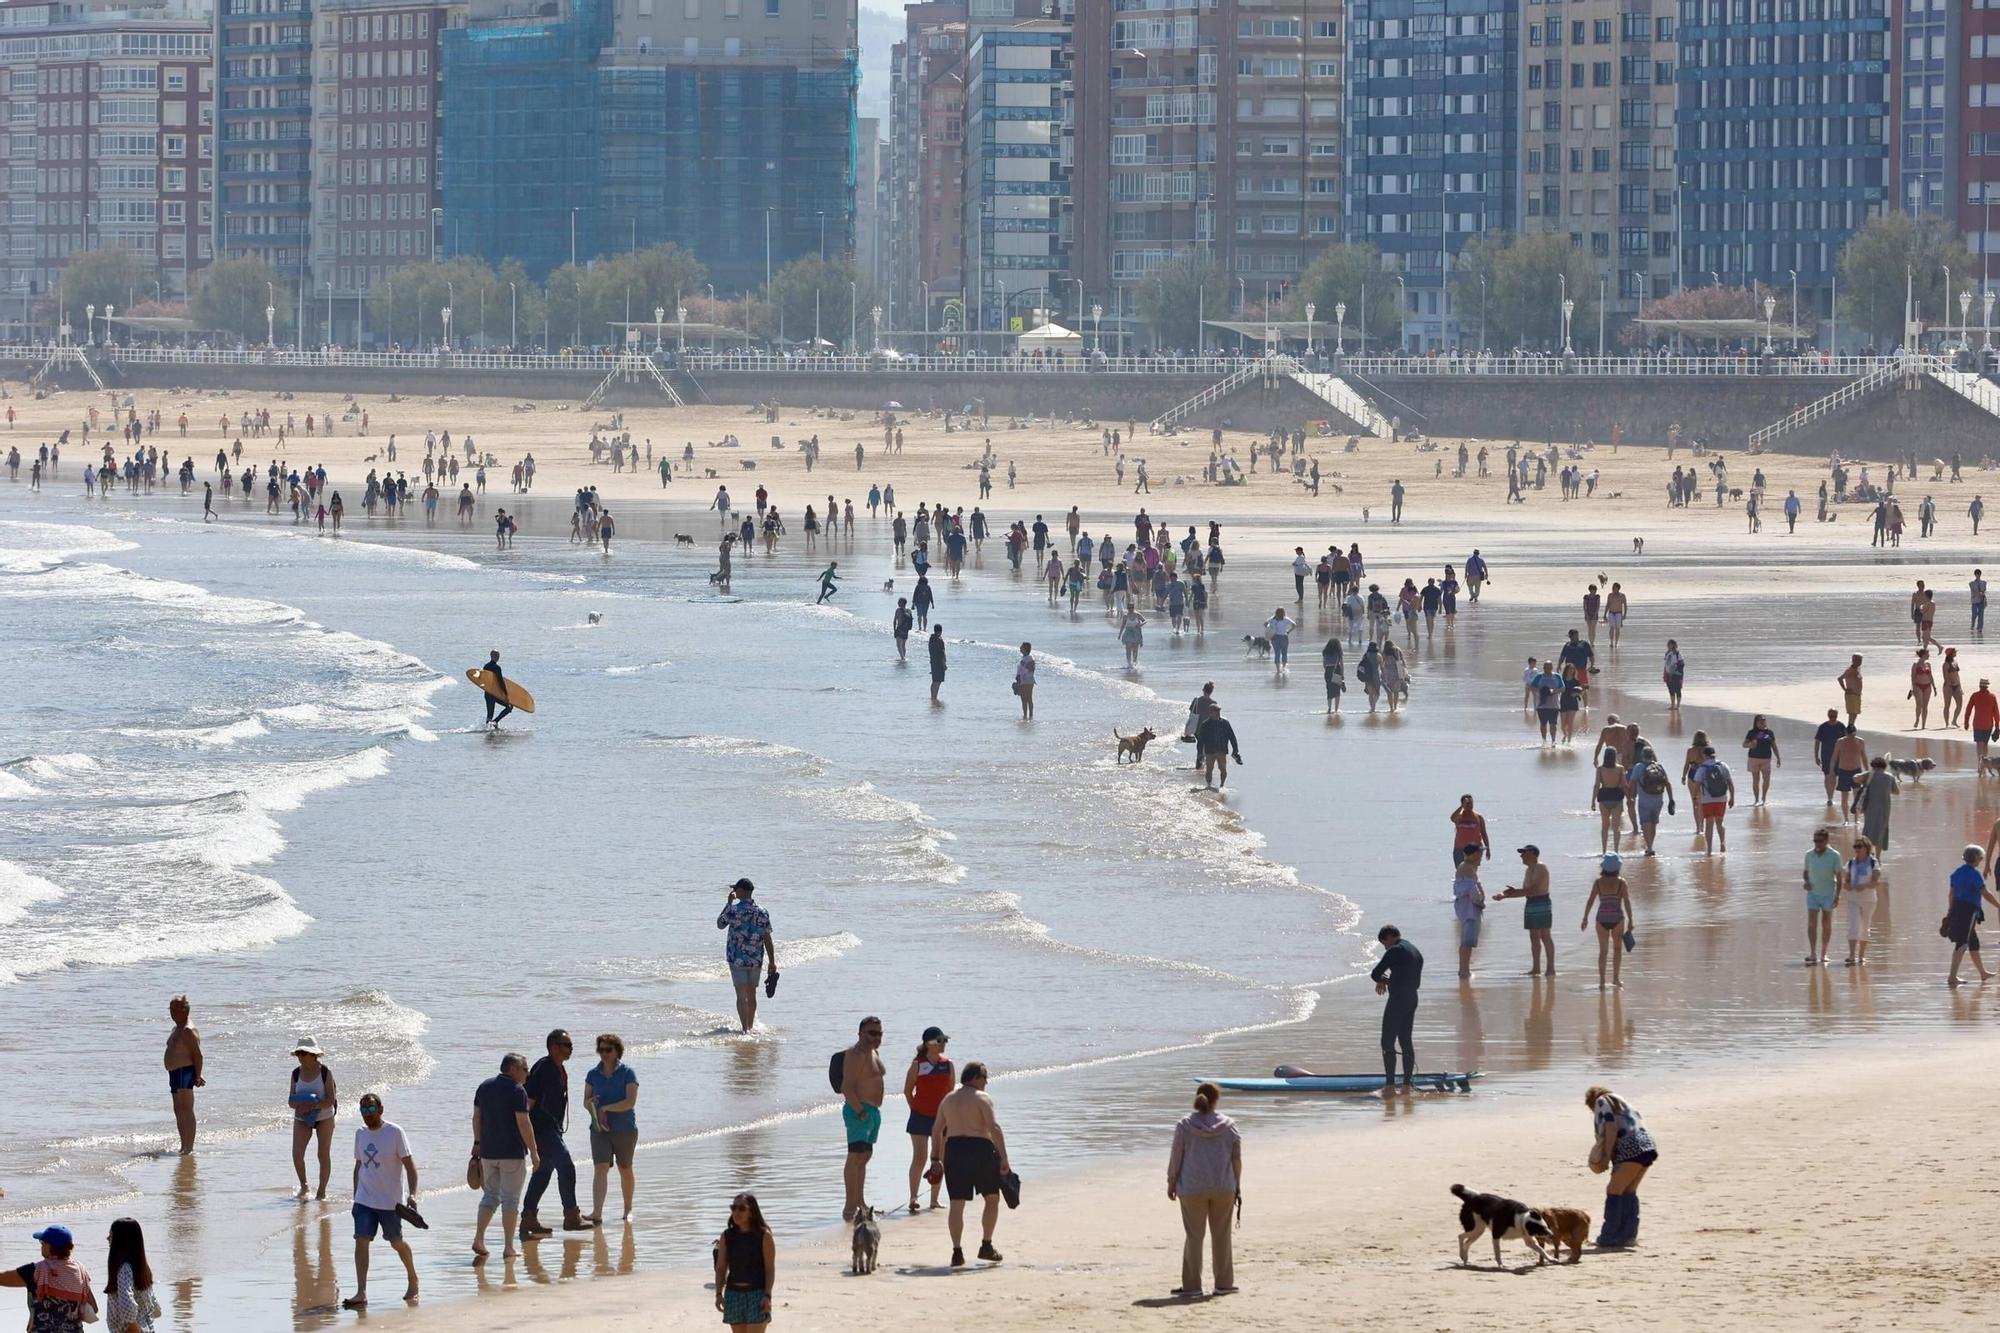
(514, 694)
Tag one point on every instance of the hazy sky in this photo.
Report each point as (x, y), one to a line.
(881, 27)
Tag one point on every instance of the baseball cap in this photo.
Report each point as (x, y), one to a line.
(935, 1033)
(744, 884)
(1530, 848)
(56, 1236)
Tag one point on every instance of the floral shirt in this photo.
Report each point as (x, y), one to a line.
(748, 926)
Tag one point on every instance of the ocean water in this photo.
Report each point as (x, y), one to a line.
(243, 763)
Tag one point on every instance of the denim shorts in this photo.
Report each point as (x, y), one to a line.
(504, 1179)
(367, 1220)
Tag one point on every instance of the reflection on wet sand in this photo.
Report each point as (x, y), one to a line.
(315, 1279)
(1538, 1029)
(535, 1256)
(184, 1234)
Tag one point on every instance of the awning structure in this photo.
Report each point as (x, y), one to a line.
(1050, 335)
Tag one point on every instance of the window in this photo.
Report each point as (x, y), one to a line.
(771, 9)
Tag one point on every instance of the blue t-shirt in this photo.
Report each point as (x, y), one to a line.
(498, 1099)
(1966, 884)
(613, 1087)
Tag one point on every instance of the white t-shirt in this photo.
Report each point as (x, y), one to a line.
(380, 1154)
(1280, 627)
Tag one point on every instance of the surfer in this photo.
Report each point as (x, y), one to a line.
(1398, 974)
(496, 692)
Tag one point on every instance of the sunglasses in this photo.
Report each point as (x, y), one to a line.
(369, 1108)
(739, 1207)
(607, 1050)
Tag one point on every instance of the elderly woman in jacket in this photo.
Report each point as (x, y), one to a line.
(1205, 1173)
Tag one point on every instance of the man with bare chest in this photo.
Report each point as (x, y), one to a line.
(861, 1110)
(183, 1061)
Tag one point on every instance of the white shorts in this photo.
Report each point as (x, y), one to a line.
(1615, 619)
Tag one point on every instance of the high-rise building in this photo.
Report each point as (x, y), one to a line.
(867, 198)
(1923, 106)
(1976, 144)
(1433, 128)
(1782, 138)
(377, 98)
(927, 162)
(109, 141)
(1207, 130)
(1597, 149)
(263, 55)
(1017, 171)
(727, 126)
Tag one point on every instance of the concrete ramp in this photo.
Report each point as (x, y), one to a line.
(1343, 398)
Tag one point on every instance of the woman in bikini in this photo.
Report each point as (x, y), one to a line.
(1468, 830)
(1613, 902)
(1609, 796)
(1921, 686)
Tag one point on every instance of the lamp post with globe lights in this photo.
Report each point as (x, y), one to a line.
(90, 326)
(681, 318)
(445, 316)
(1097, 327)
(1340, 328)
(659, 335)
(270, 326)
(1964, 315)
(1568, 309)
(1311, 310)
(1770, 305)
(108, 312)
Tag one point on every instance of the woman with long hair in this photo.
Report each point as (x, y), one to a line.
(130, 1306)
(746, 1263)
(1608, 794)
(1205, 1176)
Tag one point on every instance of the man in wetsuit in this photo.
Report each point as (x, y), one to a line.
(1398, 974)
(499, 684)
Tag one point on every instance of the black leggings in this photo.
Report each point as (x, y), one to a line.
(1399, 1021)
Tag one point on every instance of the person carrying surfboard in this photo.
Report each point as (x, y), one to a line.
(496, 692)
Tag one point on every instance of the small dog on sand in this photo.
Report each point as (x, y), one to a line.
(1507, 1219)
(682, 539)
(1134, 746)
(1571, 1227)
(1638, 546)
(867, 1240)
(1258, 645)
(1913, 769)
(595, 617)
(888, 585)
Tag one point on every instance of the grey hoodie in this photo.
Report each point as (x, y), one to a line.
(1207, 1155)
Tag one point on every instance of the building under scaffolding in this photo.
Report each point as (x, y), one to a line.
(647, 130)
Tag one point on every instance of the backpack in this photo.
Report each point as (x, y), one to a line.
(1715, 780)
(836, 1071)
(1653, 780)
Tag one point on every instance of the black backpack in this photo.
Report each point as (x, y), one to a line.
(836, 1071)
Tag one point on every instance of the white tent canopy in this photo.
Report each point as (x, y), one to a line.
(1050, 337)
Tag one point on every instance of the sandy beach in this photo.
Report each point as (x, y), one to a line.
(1754, 1214)
(1250, 952)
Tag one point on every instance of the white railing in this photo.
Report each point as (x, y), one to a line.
(1369, 367)
(514, 362)
(1886, 372)
(1967, 384)
(1269, 367)
(1343, 397)
(973, 363)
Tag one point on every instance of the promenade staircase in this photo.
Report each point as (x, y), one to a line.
(65, 356)
(1840, 400)
(1344, 398)
(1973, 387)
(634, 368)
(1332, 390)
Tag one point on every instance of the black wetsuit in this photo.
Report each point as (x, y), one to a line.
(1402, 967)
(499, 683)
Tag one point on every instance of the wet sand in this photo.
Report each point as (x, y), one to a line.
(1358, 805)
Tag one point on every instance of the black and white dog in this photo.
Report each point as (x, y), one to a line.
(1507, 1219)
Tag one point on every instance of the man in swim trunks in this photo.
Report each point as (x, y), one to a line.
(1850, 757)
(1822, 884)
(183, 1061)
(1850, 689)
(1538, 916)
(861, 1110)
(500, 684)
(967, 1139)
(1615, 605)
(1579, 654)
(1548, 690)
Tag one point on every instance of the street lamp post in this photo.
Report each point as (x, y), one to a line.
(681, 318)
(270, 326)
(1340, 328)
(875, 315)
(1986, 334)
(513, 316)
(1097, 327)
(1311, 310)
(1482, 312)
(445, 318)
(853, 318)
(659, 335)
(1964, 313)
(1568, 309)
(1563, 304)
(108, 310)
(90, 326)
(1402, 316)
(1770, 304)
(1794, 340)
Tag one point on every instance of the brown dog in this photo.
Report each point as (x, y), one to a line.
(1571, 1227)
(1134, 746)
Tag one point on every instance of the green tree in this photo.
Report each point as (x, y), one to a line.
(232, 294)
(588, 304)
(796, 287)
(1897, 254)
(111, 277)
(1345, 275)
(408, 308)
(1178, 295)
(1526, 278)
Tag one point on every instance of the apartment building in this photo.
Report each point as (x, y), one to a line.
(1217, 130)
(1924, 100)
(263, 55)
(1783, 128)
(1976, 146)
(377, 110)
(108, 142)
(1017, 172)
(927, 163)
(1597, 147)
(1433, 97)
